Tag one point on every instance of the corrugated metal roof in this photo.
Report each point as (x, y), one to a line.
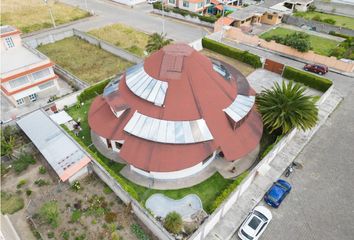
(240, 107)
(58, 149)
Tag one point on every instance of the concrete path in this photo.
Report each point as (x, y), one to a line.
(226, 228)
(108, 12)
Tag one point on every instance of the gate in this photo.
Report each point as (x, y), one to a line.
(274, 66)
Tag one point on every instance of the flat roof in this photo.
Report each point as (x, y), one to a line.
(63, 155)
(18, 57)
(248, 12)
(7, 29)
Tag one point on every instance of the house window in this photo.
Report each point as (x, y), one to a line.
(9, 42)
(270, 17)
(20, 101)
(18, 82)
(185, 4)
(33, 97)
(118, 145)
(172, 1)
(41, 74)
(200, 5)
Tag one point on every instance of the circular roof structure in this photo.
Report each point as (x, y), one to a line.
(175, 109)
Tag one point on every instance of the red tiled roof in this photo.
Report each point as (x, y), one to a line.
(195, 91)
(226, 21)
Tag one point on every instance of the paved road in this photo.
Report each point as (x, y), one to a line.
(139, 17)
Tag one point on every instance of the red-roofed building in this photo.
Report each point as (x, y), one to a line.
(169, 116)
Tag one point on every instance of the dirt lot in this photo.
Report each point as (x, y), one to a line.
(90, 223)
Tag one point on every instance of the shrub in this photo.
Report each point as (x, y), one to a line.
(139, 232)
(329, 21)
(226, 192)
(42, 170)
(40, 182)
(65, 235)
(110, 217)
(173, 222)
(75, 216)
(28, 192)
(308, 79)
(317, 18)
(93, 91)
(23, 162)
(76, 186)
(298, 40)
(21, 183)
(228, 51)
(50, 235)
(11, 203)
(49, 212)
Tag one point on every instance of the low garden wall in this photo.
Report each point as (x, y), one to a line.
(317, 26)
(186, 18)
(332, 62)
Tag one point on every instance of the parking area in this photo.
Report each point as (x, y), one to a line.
(321, 203)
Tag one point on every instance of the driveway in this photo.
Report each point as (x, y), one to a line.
(321, 204)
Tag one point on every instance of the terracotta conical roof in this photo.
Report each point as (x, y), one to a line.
(178, 107)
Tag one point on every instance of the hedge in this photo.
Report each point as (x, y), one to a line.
(226, 193)
(308, 79)
(93, 90)
(243, 56)
(333, 33)
(118, 178)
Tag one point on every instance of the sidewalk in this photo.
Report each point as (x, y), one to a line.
(227, 227)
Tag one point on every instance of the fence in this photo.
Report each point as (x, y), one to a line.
(52, 38)
(332, 62)
(315, 25)
(186, 18)
(335, 8)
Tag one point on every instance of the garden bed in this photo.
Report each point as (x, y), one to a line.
(33, 15)
(323, 46)
(84, 60)
(123, 37)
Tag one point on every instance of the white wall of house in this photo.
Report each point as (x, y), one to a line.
(83, 172)
(301, 7)
(175, 174)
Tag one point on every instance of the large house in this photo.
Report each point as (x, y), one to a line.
(169, 116)
(190, 5)
(25, 75)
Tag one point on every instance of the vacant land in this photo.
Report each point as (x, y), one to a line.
(86, 61)
(319, 45)
(244, 68)
(33, 15)
(340, 21)
(124, 37)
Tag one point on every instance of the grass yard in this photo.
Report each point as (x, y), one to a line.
(124, 37)
(33, 15)
(84, 60)
(11, 202)
(208, 190)
(244, 68)
(319, 45)
(341, 21)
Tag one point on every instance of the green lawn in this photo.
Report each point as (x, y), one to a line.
(319, 45)
(124, 37)
(341, 21)
(33, 15)
(208, 190)
(11, 203)
(84, 60)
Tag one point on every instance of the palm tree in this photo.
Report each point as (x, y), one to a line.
(157, 41)
(285, 107)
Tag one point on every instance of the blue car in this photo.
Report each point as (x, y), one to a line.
(277, 193)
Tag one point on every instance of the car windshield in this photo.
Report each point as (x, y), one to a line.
(246, 235)
(254, 223)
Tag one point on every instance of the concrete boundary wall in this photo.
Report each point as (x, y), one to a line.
(332, 62)
(186, 18)
(318, 26)
(68, 77)
(220, 212)
(335, 8)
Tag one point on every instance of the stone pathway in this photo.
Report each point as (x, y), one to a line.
(229, 224)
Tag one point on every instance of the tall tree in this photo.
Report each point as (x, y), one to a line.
(286, 106)
(157, 41)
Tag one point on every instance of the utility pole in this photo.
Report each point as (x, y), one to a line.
(223, 20)
(51, 13)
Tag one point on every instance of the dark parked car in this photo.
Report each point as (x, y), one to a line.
(277, 193)
(319, 69)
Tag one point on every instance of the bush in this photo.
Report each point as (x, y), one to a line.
(298, 40)
(75, 216)
(93, 91)
(76, 186)
(139, 232)
(42, 170)
(28, 192)
(40, 182)
(49, 212)
(237, 54)
(221, 198)
(329, 21)
(65, 235)
(50, 235)
(317, 18)
(308, 79)
(173, 222)
(21, 183)
(23, 162)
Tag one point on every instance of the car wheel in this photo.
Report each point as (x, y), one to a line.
(306, 69)
(320, 73)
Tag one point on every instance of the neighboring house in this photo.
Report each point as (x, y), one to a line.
(129, 2)
(196, 6)
(25, 75)
(170, 116)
